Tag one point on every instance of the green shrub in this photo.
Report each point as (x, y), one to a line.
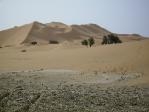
(34, 43)
(23, 50)
(110, 39)
(91, 41)
(85, 42)
(53, 42)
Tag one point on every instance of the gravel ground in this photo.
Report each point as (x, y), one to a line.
(18, 95)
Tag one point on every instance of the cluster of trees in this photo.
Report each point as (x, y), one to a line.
(108, 39)
(88, 42)
(111, 39)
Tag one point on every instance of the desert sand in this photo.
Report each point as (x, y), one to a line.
(130, 56)
(70, 77)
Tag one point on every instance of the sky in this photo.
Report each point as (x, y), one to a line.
(118, 16)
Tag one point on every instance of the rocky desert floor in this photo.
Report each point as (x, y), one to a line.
(72, 91)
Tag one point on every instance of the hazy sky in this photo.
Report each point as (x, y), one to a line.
(120, 16)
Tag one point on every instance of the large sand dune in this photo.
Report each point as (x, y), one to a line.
(43, 33)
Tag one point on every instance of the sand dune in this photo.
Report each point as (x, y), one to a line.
(43, 33)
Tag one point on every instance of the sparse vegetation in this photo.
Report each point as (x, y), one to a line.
(111, 39)
(53, 42)
(23, 50)
(34, 43)
(89, 42)
(85, 42)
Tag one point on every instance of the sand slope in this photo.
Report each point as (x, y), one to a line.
(14, 36)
